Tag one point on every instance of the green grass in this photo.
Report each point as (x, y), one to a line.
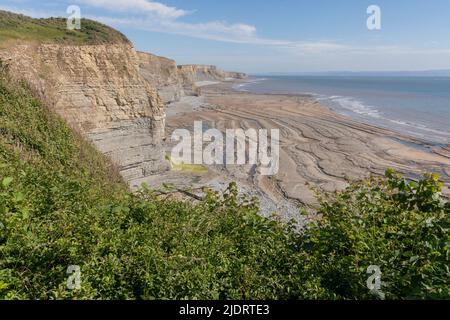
(195, 168)
(15, 27)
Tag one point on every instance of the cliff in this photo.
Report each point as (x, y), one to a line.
(99, 90)
(101, 86)
(174, 81)
(194, 73)
(161, 73)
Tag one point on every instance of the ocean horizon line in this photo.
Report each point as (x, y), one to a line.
(400, 73)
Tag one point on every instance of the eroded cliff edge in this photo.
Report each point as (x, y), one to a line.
(175, 81)
(161, 73)
(112, 94)
(99, 90)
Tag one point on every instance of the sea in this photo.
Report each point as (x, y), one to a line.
(418, 106)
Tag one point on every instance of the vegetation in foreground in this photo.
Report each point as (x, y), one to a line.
(62, 204)
(16, 27)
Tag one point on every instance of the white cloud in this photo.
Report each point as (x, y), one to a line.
(213, 30)
(168, 21)
(247, 34)
(35, 13)
(137, 6)
(158, 17)
(155, 16)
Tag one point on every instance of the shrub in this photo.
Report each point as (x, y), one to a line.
(399, 225)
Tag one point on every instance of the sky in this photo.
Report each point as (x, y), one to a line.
(264, 36)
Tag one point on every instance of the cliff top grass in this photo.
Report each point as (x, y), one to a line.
(16, 27)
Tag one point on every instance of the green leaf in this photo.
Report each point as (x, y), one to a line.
(7, 181)
(19, 197)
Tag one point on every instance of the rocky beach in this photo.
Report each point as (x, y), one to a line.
(319, 148)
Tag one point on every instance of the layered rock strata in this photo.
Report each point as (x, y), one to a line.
(190, 75)
(100, 91)
(161, 73)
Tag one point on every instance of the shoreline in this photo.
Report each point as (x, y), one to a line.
(401, 126)
(318, 148)
(402, 137)
(421, 144)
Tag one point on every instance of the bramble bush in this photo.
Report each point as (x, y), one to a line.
(62, 204)
(401, 226)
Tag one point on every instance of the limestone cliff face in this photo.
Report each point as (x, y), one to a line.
(191, 74)
(100, 91)
(195, 73)
(161, 73)
(235, 75)
(174, 81)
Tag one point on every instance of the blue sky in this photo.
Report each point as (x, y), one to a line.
(259, 36)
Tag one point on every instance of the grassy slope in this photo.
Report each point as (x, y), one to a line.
(15, 27)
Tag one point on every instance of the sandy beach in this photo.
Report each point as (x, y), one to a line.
(319, 148)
